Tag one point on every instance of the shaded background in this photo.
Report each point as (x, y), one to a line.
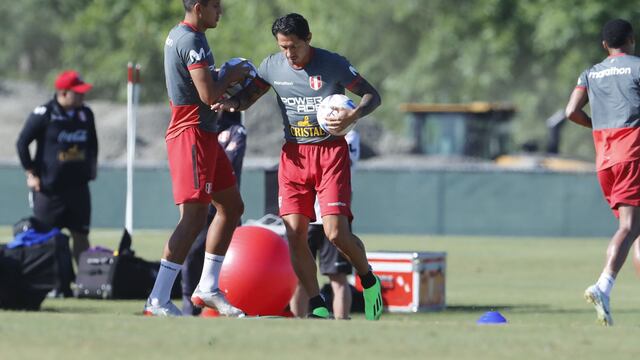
(528, 53)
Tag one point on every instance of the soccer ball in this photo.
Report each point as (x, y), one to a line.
(324, 110)
(236, 87)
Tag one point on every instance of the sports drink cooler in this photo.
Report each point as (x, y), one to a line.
(411, 281)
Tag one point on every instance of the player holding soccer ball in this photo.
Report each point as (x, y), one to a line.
(314, 161)
(612, 87)
(200, 171)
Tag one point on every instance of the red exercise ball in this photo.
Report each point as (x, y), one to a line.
(256, 274)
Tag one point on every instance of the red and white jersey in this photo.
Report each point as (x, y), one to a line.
(613, 88)
(300, 91)
(186, 49)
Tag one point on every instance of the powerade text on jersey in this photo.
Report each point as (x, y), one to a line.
(300, 91)
(186, 49)
(613, 88)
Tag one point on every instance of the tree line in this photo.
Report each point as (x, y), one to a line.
(529, 53)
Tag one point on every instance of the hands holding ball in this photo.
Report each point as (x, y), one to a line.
(335, 114)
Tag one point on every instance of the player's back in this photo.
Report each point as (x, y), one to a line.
(614, 92)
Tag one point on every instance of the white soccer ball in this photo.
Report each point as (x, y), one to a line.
(236, 87)
(324, 110)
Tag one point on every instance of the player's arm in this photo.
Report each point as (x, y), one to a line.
(210, 90)
(33, 129)
(93, 145)
(577, 101)
(245, 98)
(236, 148)
(370, 100)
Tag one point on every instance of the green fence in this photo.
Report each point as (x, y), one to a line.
(398, 201)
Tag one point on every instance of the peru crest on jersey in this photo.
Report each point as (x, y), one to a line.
(315, 82)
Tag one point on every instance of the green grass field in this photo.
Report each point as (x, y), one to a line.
(536, 283)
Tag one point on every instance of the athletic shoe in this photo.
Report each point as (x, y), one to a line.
(215, 300)
(320, 312)
(165, 310)
(373, 305)
(600, 301)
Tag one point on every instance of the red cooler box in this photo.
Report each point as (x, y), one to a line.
(411, 281)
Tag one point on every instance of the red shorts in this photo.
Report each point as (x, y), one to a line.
(198, 166)
(620, 184)
(310, 169)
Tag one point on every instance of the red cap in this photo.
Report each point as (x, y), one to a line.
(71, 80)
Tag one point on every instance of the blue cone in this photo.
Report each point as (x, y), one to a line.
(491, 317)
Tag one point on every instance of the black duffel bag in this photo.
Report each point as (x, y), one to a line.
(10, 297)
(104, 274)
(31, 270)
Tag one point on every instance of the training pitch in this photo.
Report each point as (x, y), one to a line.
(536, 283)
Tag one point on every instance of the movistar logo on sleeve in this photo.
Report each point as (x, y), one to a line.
(613, 71)
(195, 57)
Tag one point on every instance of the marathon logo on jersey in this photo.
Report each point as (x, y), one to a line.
(72, 136)
(315, 82)
(303, 104)
(306, 129)
(609, 72)
(337, 203)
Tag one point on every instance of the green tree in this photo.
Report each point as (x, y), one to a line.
(526, 52)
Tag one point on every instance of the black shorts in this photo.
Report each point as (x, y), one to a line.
(331, 260)
(69, 208)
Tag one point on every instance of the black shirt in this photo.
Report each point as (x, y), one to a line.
(66, 146)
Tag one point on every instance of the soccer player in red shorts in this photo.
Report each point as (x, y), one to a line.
(200, 171)
(613, 89)
(314, 162)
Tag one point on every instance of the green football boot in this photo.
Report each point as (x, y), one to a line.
(320, 312)
(373, 305)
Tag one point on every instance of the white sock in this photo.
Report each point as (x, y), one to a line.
(210, 272)
(161, 293)
(605, 283)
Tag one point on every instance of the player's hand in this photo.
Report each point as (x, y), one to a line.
(230, 105)
(33, 182)
(340, 118)
(238, 72)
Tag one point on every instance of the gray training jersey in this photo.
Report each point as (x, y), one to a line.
(186, 49)
(614, 92)
(300, 91)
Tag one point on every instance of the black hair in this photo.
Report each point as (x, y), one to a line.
(189, 4)
(616, 33)
(291, 24)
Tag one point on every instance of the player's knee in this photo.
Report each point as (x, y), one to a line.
(193, 220)
(630, 228)
(337, 238)
(338, 280)
(231, 210)
(237, 209)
